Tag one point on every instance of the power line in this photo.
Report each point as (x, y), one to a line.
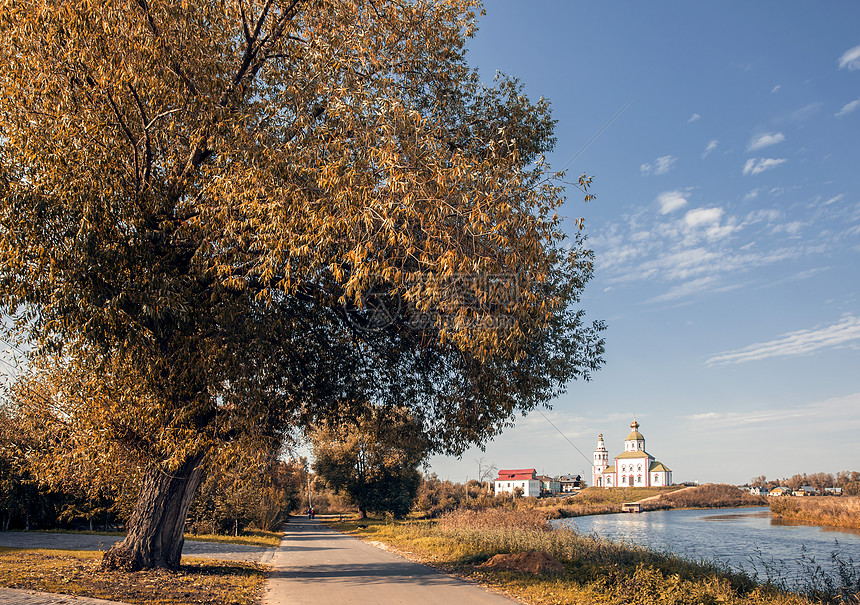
(565, 437)
(598, 133)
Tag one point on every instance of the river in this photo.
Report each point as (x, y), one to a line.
(743, 538)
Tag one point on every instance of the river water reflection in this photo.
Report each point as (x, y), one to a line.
(744, 538)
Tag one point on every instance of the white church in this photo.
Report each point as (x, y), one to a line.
(634, 467)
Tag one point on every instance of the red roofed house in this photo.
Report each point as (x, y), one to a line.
(523, 478)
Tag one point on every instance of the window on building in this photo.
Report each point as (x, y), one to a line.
(639, 479)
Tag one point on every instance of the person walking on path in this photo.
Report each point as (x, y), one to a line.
(315, 564)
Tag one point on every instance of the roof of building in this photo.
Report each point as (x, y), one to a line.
(635, 435)
(657, 467)
(516, 474)
(636, 454)
(609, 469)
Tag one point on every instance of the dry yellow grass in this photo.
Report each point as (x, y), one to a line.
(832, 511)
(79, 573)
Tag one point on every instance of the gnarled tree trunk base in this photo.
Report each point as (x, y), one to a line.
(157, 525)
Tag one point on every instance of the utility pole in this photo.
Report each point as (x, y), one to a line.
(308, 475)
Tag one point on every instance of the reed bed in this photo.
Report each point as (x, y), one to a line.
(833, 511)
(492, 532)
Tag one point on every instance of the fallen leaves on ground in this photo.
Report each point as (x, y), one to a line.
(78, 573)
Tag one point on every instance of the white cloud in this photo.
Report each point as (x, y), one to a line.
(802, 342)
(711, 146)
(791, 228)
(804, 112)
(703, 217)
(848, 108)
(670, 201)
(765, 140)
(850, 59)
(684, 246)
(752, 194)
(690, 288)
(694, 118)
(661, 165)
(707, 222)
(819, 412)
(759, 165)
(775, 89)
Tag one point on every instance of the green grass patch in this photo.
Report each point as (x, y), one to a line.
(255, 537)
(79, 573)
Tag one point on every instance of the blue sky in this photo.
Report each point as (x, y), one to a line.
(726, 229)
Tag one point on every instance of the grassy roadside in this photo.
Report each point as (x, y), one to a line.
(78, 573)
(251, 537)
(594, 570)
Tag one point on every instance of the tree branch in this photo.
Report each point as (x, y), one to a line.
(145, 122)
(130, 138)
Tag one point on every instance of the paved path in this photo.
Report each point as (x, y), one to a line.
(658, 496)
(318, 565)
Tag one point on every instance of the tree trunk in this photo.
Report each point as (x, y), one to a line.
(157, 525)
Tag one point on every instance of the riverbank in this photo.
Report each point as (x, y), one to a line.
(826, 511)
(602, 501)
(578, 568)
(710, 495)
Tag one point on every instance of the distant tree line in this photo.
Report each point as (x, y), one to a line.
(849, 481)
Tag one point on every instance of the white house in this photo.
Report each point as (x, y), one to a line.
(524, 478)
(634, 467)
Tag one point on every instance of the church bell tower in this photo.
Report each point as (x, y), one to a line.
(601, 461)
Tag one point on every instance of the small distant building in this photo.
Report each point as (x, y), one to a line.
(634, 467)
(549, 486)
(524, 478)
(806, 490)
(758, 491)
(833, 491)
(780, 491)
(570, 483)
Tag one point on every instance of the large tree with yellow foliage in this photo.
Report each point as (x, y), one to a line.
(231, 219)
